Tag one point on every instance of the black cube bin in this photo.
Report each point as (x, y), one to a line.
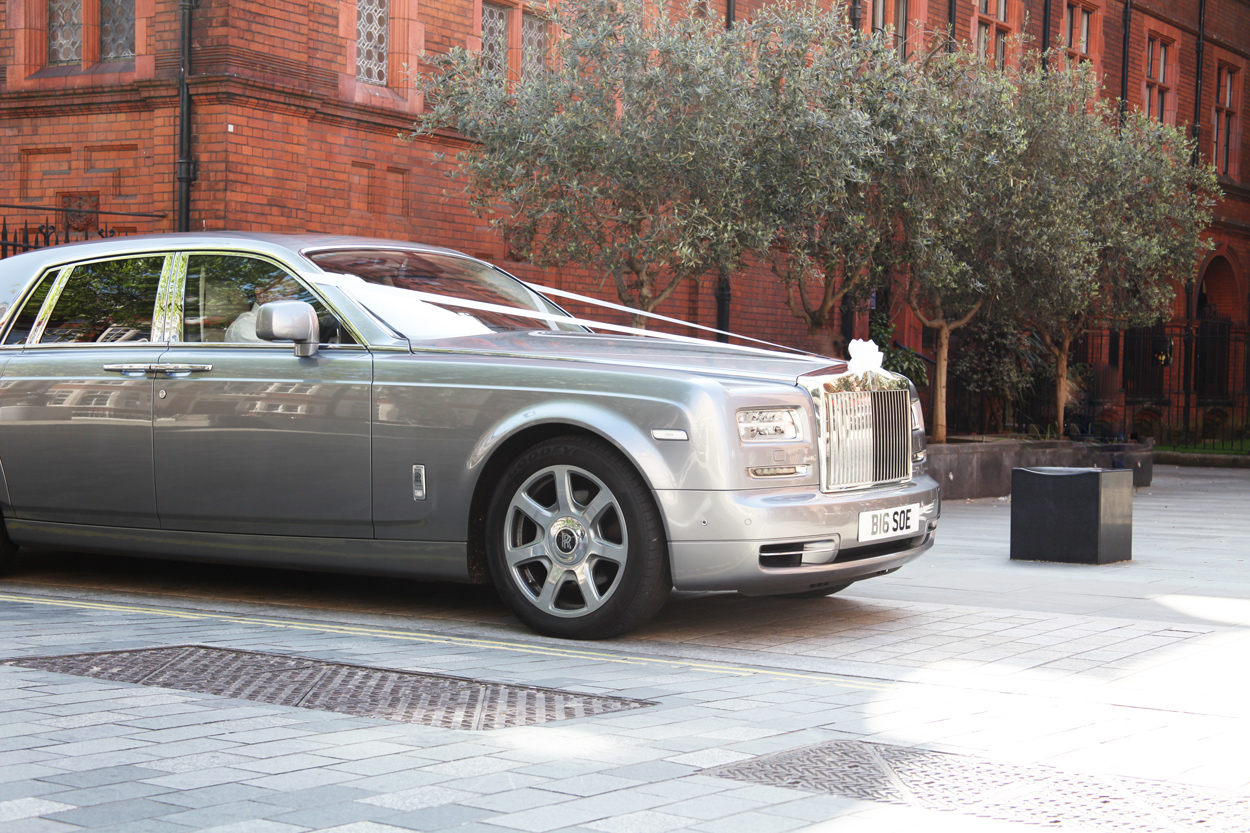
(1071, 515)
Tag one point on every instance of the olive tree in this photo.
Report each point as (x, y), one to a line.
(1136, 209)
(625, 153)
(834, 116)
(957, 201)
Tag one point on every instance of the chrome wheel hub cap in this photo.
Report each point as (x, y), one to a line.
(565, 541)
(568, 541)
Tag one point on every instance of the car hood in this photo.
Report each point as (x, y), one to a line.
(702, 357)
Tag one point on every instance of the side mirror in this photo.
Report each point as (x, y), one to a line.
(290, 321)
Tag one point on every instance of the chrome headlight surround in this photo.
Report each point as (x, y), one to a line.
(769, 425)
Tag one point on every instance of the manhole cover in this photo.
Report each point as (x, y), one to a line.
(992, 789)
(361, 691)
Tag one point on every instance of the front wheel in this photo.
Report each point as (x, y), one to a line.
(574, 541)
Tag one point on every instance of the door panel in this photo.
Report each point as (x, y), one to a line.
(248, 438)
(264, 442)
(76, 405)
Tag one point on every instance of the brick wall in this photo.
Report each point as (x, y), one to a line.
(288, 140)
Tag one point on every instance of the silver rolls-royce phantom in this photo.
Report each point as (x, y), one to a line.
(382, 407)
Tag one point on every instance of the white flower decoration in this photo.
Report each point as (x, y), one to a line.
(865, 357)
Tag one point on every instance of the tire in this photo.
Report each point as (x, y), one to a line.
(819, 592)
(574, 541)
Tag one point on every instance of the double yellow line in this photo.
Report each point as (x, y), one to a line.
(446, 639)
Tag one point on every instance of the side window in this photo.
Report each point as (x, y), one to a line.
(224, 292)
(109, 301)
(24, 322)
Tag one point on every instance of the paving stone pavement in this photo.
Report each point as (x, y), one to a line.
(1120, 690)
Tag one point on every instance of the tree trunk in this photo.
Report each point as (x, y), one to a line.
(638, 322)
(939, 384)
(1061, 379)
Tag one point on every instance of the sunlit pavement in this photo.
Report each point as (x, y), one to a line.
(966, 692)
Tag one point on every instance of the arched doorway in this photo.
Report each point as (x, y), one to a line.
(1218, 298)
(1216, 305)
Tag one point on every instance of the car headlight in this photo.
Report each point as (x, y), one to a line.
(768, 425)
(917, 416)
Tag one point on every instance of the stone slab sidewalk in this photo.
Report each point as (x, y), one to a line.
(965, 692)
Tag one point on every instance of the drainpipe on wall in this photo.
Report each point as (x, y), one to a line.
(1202, 40)
(1195, 159)
(723, 294)
(1128, 22)
(1046, 34)
(855, 15)
(730, 9)
(950, 22)
(186, 166)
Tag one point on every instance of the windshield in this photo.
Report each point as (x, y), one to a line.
(403, 289)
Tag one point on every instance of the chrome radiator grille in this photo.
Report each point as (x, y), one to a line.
(866, 437)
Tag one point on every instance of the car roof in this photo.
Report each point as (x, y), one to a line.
(275, 244)
(17, 271)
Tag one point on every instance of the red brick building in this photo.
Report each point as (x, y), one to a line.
(297, 104)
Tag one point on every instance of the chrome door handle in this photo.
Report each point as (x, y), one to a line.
(134, 370)
(182, 369)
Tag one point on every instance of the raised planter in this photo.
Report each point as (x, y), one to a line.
(1072, 515)
(983, 469)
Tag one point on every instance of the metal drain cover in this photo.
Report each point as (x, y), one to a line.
(992, 789)
(361, 691)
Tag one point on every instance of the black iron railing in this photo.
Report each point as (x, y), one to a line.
(64, 224)
(1187, 387)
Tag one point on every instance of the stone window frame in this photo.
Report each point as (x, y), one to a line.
(516, 11)
(28, 69)
(1222, 59)
(405, 41)
(1075, 11)
(910, 36)
(1146, 27)
(995, 18)
(1161, 68)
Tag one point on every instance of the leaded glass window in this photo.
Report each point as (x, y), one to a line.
(371, 41)
(495, 39)
(117, 29)
(64, 32)
(533, 44)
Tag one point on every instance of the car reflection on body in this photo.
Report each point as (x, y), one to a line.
(382, 407)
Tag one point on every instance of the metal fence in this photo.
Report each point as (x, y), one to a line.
(1187, 387)
(73, 221)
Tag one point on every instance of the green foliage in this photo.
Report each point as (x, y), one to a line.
(902, 360)
(657, 147)
(627, 154)
(997, 358)
(833, 130)
(1114, 213)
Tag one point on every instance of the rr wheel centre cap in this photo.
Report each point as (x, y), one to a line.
(568, 541)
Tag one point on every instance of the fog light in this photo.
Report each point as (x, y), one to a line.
(779, 471)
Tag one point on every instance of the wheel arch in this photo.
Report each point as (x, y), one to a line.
(502, 454)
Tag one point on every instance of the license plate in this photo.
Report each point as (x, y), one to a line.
(896, 522)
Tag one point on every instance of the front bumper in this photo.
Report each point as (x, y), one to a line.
(716, 538)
